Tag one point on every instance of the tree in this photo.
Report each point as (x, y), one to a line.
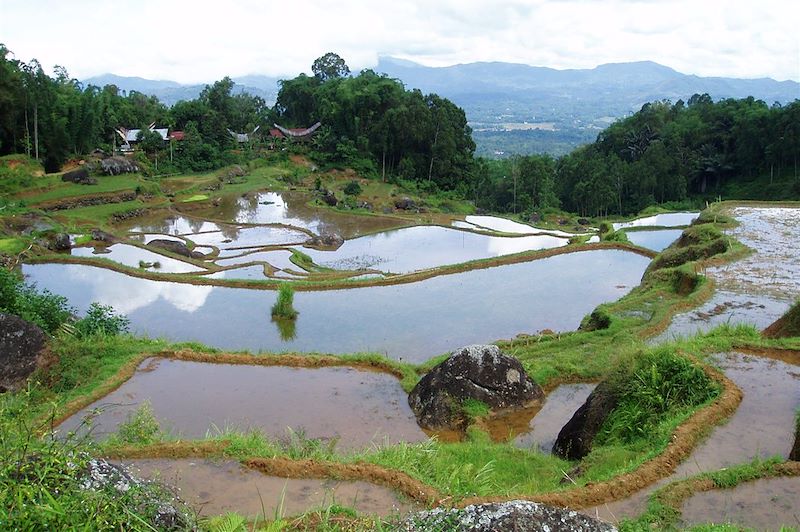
(330, 66)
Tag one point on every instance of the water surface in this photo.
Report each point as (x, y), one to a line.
(131, 255)
(412, 321)
(353, 408)
(672, 219)
(558, 408)
(425, 246)
(215, 488)
(655, 240)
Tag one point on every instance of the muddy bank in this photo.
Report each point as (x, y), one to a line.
(217, 487)
(349, 408)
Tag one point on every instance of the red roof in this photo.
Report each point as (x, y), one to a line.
(176, 135)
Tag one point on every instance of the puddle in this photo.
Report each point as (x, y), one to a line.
(215, 488)
(291, 208)
(193, 399)
(131, 255)
(558, 408)
(655, 240)
(672, 219)
(168, 225)
(762, 504)
(422, 247)
(757, 289)
(763, 426)
(412, 322)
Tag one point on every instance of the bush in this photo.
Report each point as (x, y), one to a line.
(283, 309)
(47, 310)
(352, 188)
(101, 319)
(652, 387)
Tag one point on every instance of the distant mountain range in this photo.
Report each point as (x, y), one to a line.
(515, 108)
(170, 92)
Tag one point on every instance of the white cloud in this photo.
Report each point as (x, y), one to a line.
(193, 41)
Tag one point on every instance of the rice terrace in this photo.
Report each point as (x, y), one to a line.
(325, 312)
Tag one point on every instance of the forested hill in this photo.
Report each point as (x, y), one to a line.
(514, 108)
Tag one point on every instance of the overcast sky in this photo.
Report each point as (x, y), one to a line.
(197, 41)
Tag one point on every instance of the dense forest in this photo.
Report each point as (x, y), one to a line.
(666, 152)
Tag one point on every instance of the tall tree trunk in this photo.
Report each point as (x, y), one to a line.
(36, 130)
(435, 139)
(383, 170)
(27, 134)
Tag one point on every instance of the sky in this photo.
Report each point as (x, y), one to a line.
(197, 41)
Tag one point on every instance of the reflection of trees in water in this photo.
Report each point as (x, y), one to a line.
(195, 224)
(287, 329)
(230, 231)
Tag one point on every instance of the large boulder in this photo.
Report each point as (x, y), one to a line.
(80, 176)
(328, 241)
(118, 165)
(405, 204)
(576, 437)
(479, 372)
(328, 197)
(517, 516)
(22, 350)
(175, 246)
(60, 242)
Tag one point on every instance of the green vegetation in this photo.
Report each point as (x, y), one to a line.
(283, 307)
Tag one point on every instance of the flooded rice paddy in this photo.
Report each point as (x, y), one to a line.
(350, 408)
(655, 240)
(761, 504)
(215, 488)
(672, 219)
(762, 426)
(757, 289)
(412, 322)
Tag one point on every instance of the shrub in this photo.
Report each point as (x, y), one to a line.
(352, 188)
(140, 427)
(283, 306)
(101, 319)
(650, 388)
(47, 310)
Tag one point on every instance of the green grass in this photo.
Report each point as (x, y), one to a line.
(57, 189)
(12, 246)
(196, 197)
(283, 307)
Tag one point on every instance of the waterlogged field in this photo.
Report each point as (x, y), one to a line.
(411, 322)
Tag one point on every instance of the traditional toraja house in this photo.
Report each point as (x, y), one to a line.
(243, 138)
(131, 136)
(280, 132)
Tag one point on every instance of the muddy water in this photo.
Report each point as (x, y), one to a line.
(233, 237)
(763, 425)
(131, 255)
(412, 321)
(762, 504)
(558, 408)
(655, 240)
(672, 219)
(192, 399)
(279, 259)
(421, 247)
(216, 488)
(759, 288)
(292, 208)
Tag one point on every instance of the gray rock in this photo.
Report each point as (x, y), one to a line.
(118, 165)
(21, 351)
(79, 176)
(174, 246)
(99, 235)
(405, 204)
(328, 197)
(517, 516)
(328, 241)
(478, 372)
(60, 242)
(576, 437)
